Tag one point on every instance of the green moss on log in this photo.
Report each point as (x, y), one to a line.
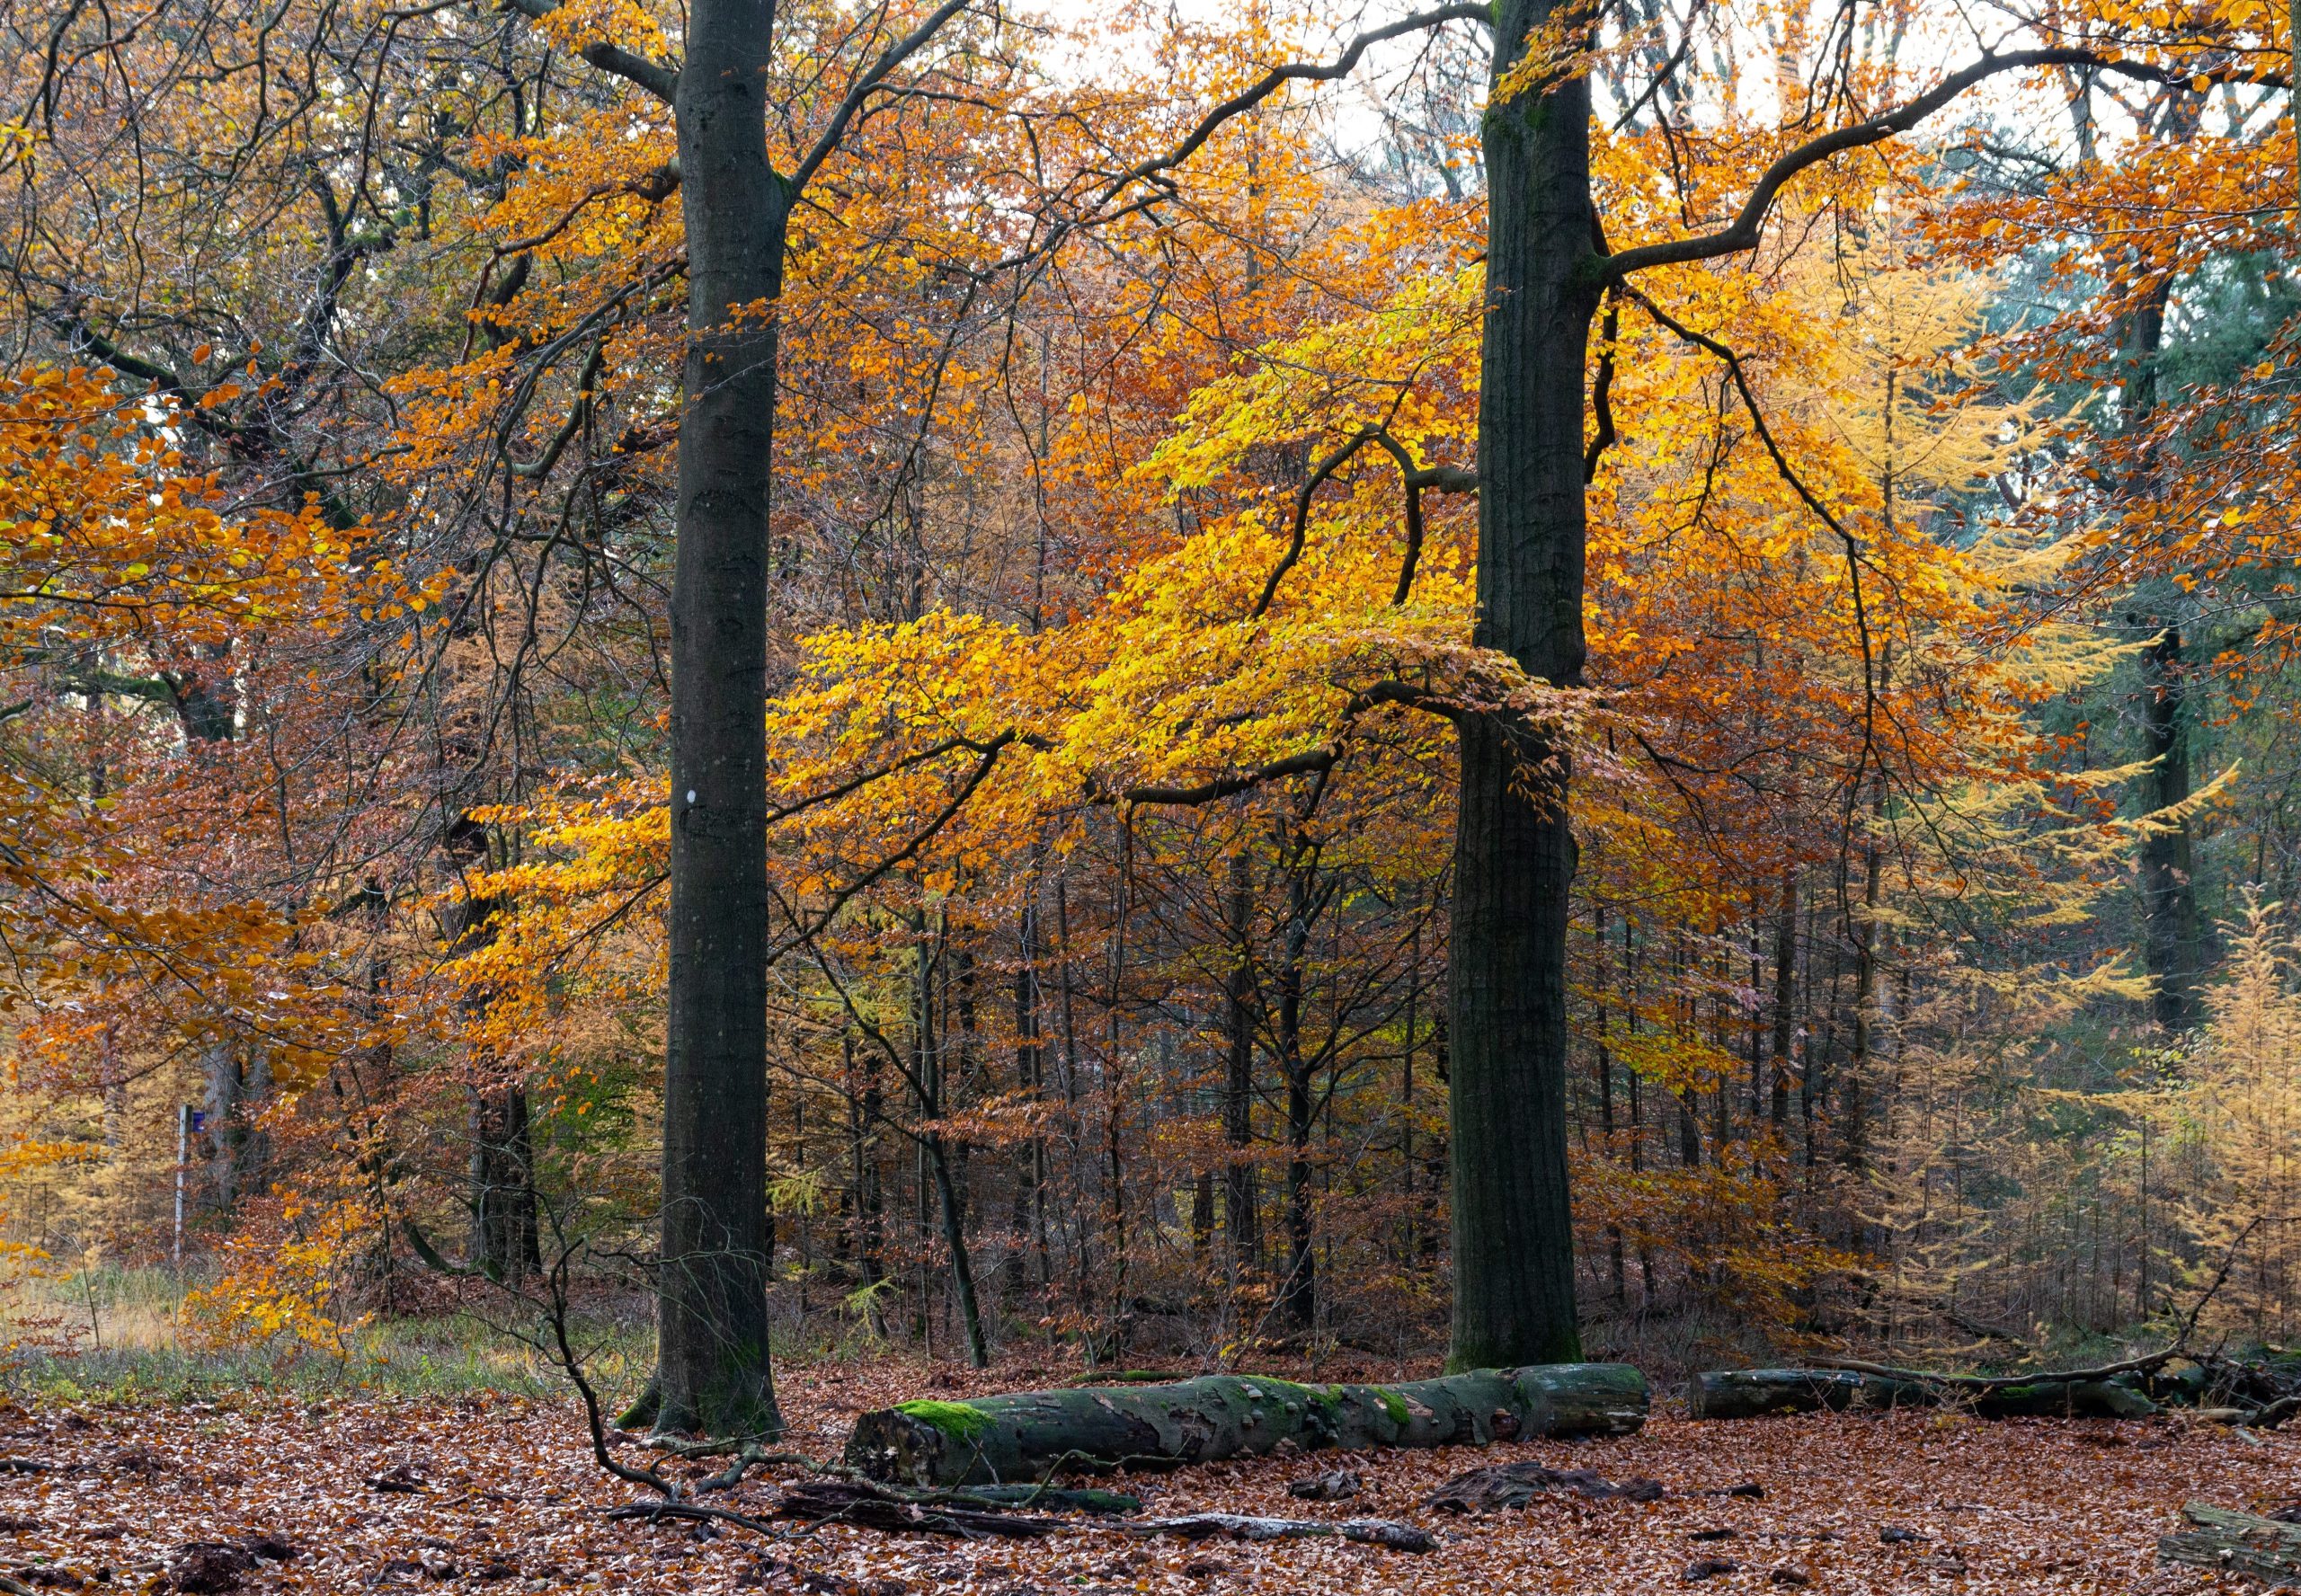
(956, 1420)
(1030, 1435)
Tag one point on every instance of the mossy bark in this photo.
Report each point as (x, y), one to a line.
(1032, 1434)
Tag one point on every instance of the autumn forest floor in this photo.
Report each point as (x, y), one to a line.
(511, 1499)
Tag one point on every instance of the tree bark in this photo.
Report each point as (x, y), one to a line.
(2168, 865)
(1514, 847)
(712, 1372)
(1299, 1295)
(1785, 998)
(1030, 1435)
(2245, 1543)
(1750, 1393)
(504, 1240)
(1241, 1199)
(505, 1245)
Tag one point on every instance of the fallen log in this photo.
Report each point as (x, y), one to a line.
(1031, 1435)
(1380, 1532)
(854, 1502)
(2238, 1542)
(1750, 1393)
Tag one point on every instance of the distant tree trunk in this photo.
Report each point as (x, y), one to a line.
(865, 1107)
(1030, 1077)
(1514, 844)
(1240, 1196)
(1785, 995)
(1298, 1300)
(1856, 1138)
(1406, 1081)
(712, 1372)
(224, 1094)
(2168, 891)
(1604, 976)
(1637, 1094)
(505, 1241)
(955, 1237)
(1689, 1110)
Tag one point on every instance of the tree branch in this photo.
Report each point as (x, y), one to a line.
(892, 57)
(1742, 233)
(662, 82)
(1310, 762)
(1278, 77)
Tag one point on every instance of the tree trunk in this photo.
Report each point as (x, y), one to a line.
(2168, 892)
(712, 1372)
(955, 1236)
(1240, 1197)
(1785, 998)
(504, 1243)
(1514, 848)
(1298, 1296)
(1030, 1435)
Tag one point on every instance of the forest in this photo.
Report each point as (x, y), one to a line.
(812, 793)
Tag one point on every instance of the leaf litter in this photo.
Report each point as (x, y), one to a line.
(261, 1492)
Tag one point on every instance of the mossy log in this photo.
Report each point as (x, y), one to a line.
(1750, 1393)
(2237, 1542)
(1032, 1434)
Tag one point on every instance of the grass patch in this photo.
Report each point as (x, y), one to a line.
(121, 1336)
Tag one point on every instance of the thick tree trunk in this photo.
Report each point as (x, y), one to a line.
(504, 1243)
(712, 1371)
(1514, 848)
(2168, 892)
(238, 1087)
(1030, 1435)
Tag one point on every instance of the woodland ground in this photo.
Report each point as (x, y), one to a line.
(511, 1503)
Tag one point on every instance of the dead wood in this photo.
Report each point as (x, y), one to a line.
(874, 1507)
(1030, 1435)
(2235, 1542)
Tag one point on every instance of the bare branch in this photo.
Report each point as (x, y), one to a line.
(892, 57)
